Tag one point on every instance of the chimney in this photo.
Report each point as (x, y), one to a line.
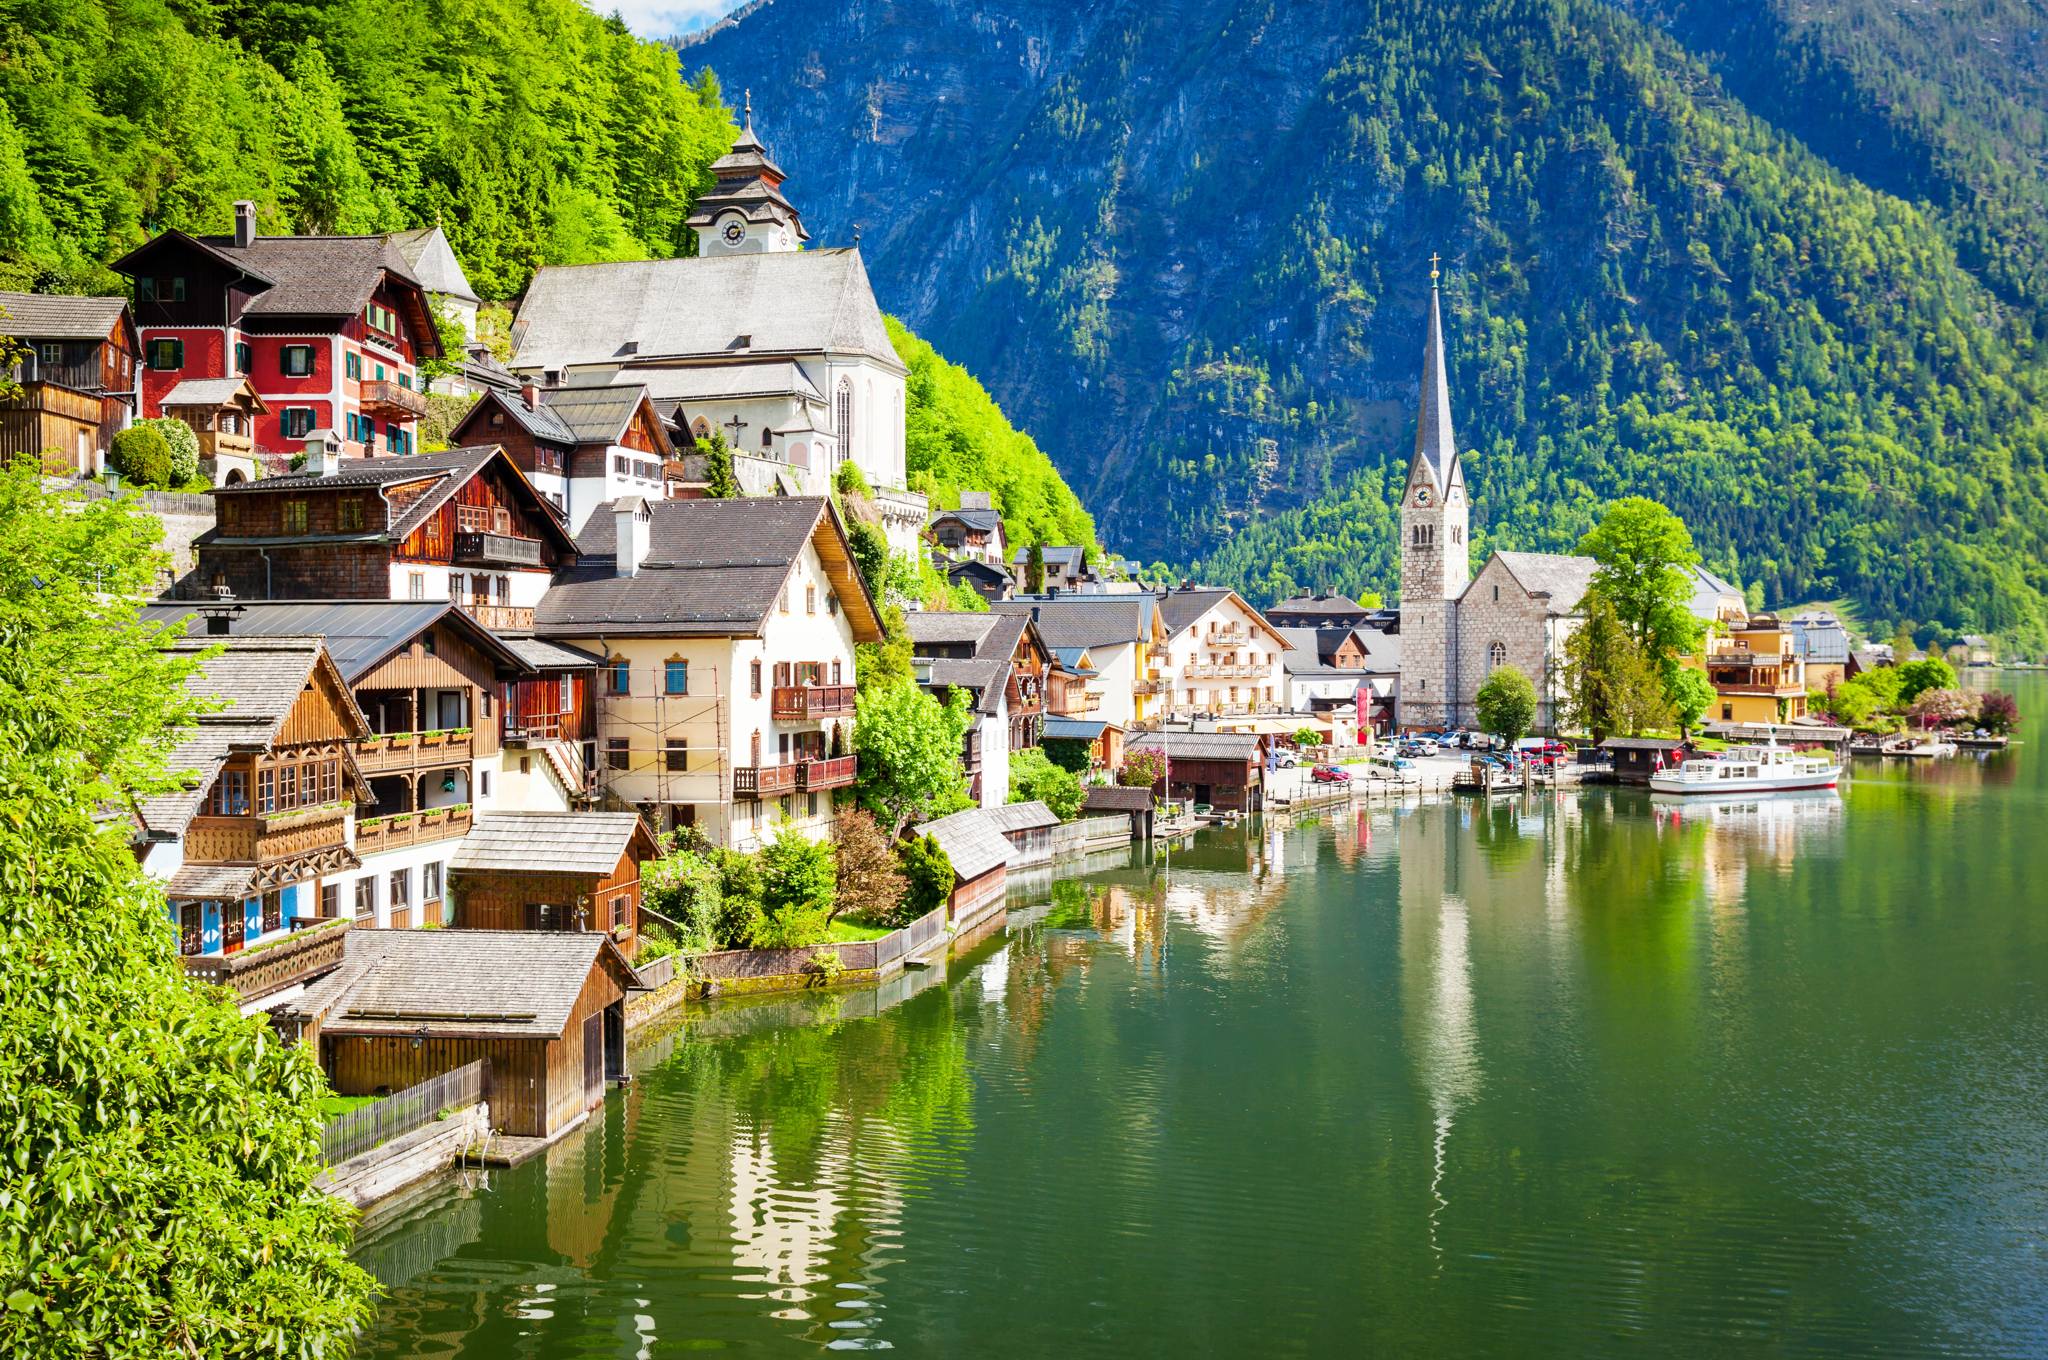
(1034, 613)
(222, 612)
(530, 394)
(631, 523)
(323, 453)
(245, 223)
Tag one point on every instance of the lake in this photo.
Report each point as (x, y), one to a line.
(1580, 1075)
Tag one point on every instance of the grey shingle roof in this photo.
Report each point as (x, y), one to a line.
(596, 415)
(208, 392)
(57, 316)
(1435, 443)
(986, 677)
(1564, 577)
(214, 882)
(971, 841)
(543, 655)
(1026, 816)
(1087, 621)
(1072, 729)
(1056, 555)
(358, 633)
(546, 843)
(315, 275)
(1178, 609)
(1200, 745)
(726, 382)
(514, 983)
(985, 520)
(432, 260)
(1316, 607)
(943, 626)
(795, 302)
(714, 568)
(1116, 798)
(539, 421)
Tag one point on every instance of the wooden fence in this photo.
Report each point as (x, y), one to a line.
(658, 973)
(369, 1125)
(1086, 833)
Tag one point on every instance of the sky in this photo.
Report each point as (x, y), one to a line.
(666, 18)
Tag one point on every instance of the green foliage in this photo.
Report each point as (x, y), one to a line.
(721, 481)
(183, 446)
(928, 874)
(539, 133)
(1998, 712)
(1611, 687)
(687, 887)
(1853, 704)
(141, 455)
(1506, 704)
(1944, 707)
(1917, 677)
(1142, 769)
(885, 665)
(956, 438)
(909, 748)
(454, 345)
(1034, 776)
(1034, 569)
(1689, 693)
(1643, 551)
(1307, 736)
(799, 879)
(156, 1168)
(1069, 753)
(851, 481)
(870, 555)
(1886, 683)
(444, 412)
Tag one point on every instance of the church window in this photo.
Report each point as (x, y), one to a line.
(1457, 534)
(1496, 656)
(845, 414)
(1496, 593)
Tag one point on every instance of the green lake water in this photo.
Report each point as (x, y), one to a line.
(1586, 1075)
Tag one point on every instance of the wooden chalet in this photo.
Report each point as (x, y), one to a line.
(464, 525)
(77, 379)
(559, 871)
(262, 820)
(980, 855)
(546, 1011)
(550, 717)
(579, 446)
(1222, 770)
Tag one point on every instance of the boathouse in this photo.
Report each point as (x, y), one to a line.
(1109, 800)
(546, 1011)
(1028, 829)
(1635, 759)
(1221, 770)
(553, 871)
(980, 856)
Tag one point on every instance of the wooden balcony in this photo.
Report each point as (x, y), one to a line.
(389, 400)
(406, 751)
(763, 781)
(512, 616)
(1230, 634)
(267, 838)
(813, 776)
(474, 548)
(808, 703)
(313, 949)
(214, 443)
(1226, 671)
(1153, 686)
(376, 834)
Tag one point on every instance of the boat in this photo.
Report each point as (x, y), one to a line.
(1983, 741)
(1749, 769)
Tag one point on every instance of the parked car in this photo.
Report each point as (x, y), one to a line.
(1417, 747)
(1393, 770)
(1329, 774)
(1285, 760)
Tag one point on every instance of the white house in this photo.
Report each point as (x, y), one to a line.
(1121, 635)
(1222, 659)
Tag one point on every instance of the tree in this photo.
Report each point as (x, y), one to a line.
(799, 882)
(1072, 754)
(1917, 677)
(1853, 705)
(1998, 712)
(720, 481)
(1142, 769)
(1944, 707)
(909, 747)
(454, 346)
(184, 449)
(1506, 704)
(1307, 736)
(1034, 569)
(159, 1148)
(1644, 552)
(1690, 694)
(870, 886)
(929, 875)
(1033, 776)
(885, 664)
(1610, 686)
(851, 481)
(141, 455)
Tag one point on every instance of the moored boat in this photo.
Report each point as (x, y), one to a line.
(1749, 769)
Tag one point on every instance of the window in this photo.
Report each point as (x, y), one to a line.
(379, 371)
(810, 805)
(352, 364)
(273, 911)
(287, 787)
(381, 318)
(783, 603)
(295, 516)
(676, 755)
(617, 678)
(401, 889)
(416, 585)
(166, 354)
(835, 671)
(676, 676)
(296, 422)
(427, 643)
(350, 514)
(405, 381)
(266, 791)
(1496, 594)
(242, 359)
(1496, 656)
(366, 897)
(754, 676)
(330, 781)
(231, 794)
(295, 361)
(1457, 533)
(484, 788)
(161, 290)
(616, 754)
(330, 900)
(844, 424)
(810, 599)
(430, 882)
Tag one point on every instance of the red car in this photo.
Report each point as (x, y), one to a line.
(1329, 774)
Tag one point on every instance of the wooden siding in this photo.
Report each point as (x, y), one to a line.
(509, 900)
(367, 1065)
(316, 571)
(492, 489)
(534, 707)
(455, 663)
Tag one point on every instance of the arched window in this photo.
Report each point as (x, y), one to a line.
(700, 428)
(1496, 656)
(754, 749)
(767, 436)
(844, 425)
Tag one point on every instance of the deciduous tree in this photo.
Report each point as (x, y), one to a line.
(1034, 776)
(1917, 677)
(1610, 686)
(929, 875)
(909, 747)
(1506, 704)
(1644, 552)
(871, 887)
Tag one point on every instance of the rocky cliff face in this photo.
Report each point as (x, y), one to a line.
(1187, 244)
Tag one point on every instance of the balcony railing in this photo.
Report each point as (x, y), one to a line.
(1153, 686)
(763, 781)
(375, 834)
(266, 838)
(476, 547)
(415, 750)
(807, 703)
(499, 615)
(389, 399)
(1226, 672)
(834, 773)
(254, 973)
(1228, 634)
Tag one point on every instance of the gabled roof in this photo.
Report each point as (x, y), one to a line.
(971, 840)
(541, 422)
(669, 387)
(1087, 620)
(57, 316)
(602, 415)
(984, 678)
(1063, 555)
(548, 842)
(544, 655)
(784, 302)
(974, 566)
(943, 626)
(1316, 607)
(1180, 608)
(1072, 729)
(1563, 577)
(1116, 798)
(432, 260)
(1075, 660)
(1200, 745)
(359, 633)
(984, 520)
(714, 568)
(214, 392)
(485, 983)
(1026, 816)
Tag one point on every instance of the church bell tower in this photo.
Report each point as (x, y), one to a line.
(744, 213)
(1436, 559)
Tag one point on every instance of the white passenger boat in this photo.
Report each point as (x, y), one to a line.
(1750, 769)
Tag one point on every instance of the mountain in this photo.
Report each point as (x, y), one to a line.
(1187, 246)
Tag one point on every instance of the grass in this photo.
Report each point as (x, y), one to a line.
(843, 929)
(334, 1107)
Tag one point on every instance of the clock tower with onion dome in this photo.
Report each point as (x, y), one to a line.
(744, 213)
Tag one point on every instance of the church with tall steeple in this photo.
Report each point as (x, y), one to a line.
(744, 212)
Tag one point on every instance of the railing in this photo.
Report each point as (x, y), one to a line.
(534, 728)
(265, 837)
(415, 750)
(1226, 671)
(499, 615)
(389, 396)
(1153, 686)
(1091, 701)
(803, 703)
(835, 773)
(368, 1126)
(1229, 633)
(374, 834)
(499, 550)
(257, 972)
(763, 781)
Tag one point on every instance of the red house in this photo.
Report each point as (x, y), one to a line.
(330, 330)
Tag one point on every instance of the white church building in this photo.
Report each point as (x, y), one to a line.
(779, 348)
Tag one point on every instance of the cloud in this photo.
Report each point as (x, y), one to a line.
(666, 18)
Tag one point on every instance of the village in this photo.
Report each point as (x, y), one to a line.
(484, 720)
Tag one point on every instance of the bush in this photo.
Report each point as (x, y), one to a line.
(849, 480)
(1069, 753)
(184, 447)
(1034, 776)
(929, 875)
(1944, 707)
(1142, 769)
(1917, 677)
(141, 455)
(1998, 712)
(799, 882)
(869, 887)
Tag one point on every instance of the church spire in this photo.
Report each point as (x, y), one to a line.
(1435, 443)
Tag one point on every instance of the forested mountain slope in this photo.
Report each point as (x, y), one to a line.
(1187, 246)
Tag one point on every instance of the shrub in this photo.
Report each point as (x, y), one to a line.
(799, 881)
(184, 447)
(1034, 776)
(141, 455)
(869, 887)
(1069, 753)
(1944, 707)
(929, 875)
(849, 480)
(1917, 677)
(1142, 769)
(1998, 712)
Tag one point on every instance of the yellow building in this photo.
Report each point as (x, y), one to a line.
(1756, 670)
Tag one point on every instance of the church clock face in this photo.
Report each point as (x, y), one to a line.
(1422, 495)
(735, 232)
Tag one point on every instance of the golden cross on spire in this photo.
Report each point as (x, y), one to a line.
(1433, 257)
